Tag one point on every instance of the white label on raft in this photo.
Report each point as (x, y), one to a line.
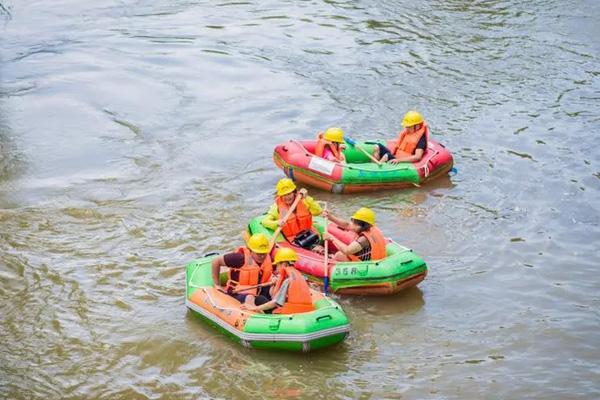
(321, 165)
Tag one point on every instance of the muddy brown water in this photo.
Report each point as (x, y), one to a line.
(136, 136)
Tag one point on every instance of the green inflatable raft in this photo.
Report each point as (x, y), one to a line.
(323, 327)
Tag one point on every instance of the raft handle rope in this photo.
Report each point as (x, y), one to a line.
(426, 166)
(214, 253)
(192, 277)
(215, 305)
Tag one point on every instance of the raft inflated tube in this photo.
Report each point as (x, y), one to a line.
(323, 327)
(399, 270)
(359, 173)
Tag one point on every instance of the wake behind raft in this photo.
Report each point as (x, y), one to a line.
(359, 173)
(399, 270)
(326, 325)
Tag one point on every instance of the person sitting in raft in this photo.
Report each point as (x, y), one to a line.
(249, 266)
(411, 143)
(297, 228)
(291, 294)
(330, 145)
(370, 244)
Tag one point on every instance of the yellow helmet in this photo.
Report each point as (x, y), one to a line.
(258, 243)
(411, 118)
(285, 186)
(285, 254)
(334, 135)
(365, 214)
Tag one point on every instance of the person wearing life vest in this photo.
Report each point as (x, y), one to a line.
(369, 244)
(301, 218)
(248, 266)
(291, 294)
(411, 143)
(330, 145)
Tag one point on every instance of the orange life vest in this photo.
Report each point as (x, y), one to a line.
(377, 242)
(298, 299)
(407, 142)
(322, 144)
(250, 273)
(299, 221)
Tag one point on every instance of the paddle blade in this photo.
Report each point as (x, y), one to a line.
(349, 141)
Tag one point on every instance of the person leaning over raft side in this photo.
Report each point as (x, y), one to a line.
(411, 143)
(370, 244)
(248, 266)
(291, 293)
(301, 218)
(330, 145)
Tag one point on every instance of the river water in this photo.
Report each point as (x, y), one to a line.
(136, 136)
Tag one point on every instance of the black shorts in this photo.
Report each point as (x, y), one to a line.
(258, 300)
(384, 150)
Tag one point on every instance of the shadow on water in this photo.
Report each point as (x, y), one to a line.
(412, 196)
(265, 373)
(405, 302)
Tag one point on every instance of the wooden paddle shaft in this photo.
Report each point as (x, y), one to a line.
(237, 290)
(369, 155)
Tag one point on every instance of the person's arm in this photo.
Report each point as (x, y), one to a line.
(313, 207)
(278, 299)
(263, 307)
(342, 155)
(336, 220)
(419, 151)
(217, 263)
(396, 144)
(348, 249)
(328, 154)
(230, 260)
(271, 220)
(415, 157)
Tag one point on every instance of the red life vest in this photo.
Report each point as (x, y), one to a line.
(377, 242)
(407, 142)
(250, 273)
(322, 144)
(299, 221)
(298, 299)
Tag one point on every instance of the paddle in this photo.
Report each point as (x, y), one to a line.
(237, 290)
(352, 143)
(287, 216)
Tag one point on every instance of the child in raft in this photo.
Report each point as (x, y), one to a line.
(369, 244)
(290, 293)
(297, 228)
(330, 145)
(411, 143)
